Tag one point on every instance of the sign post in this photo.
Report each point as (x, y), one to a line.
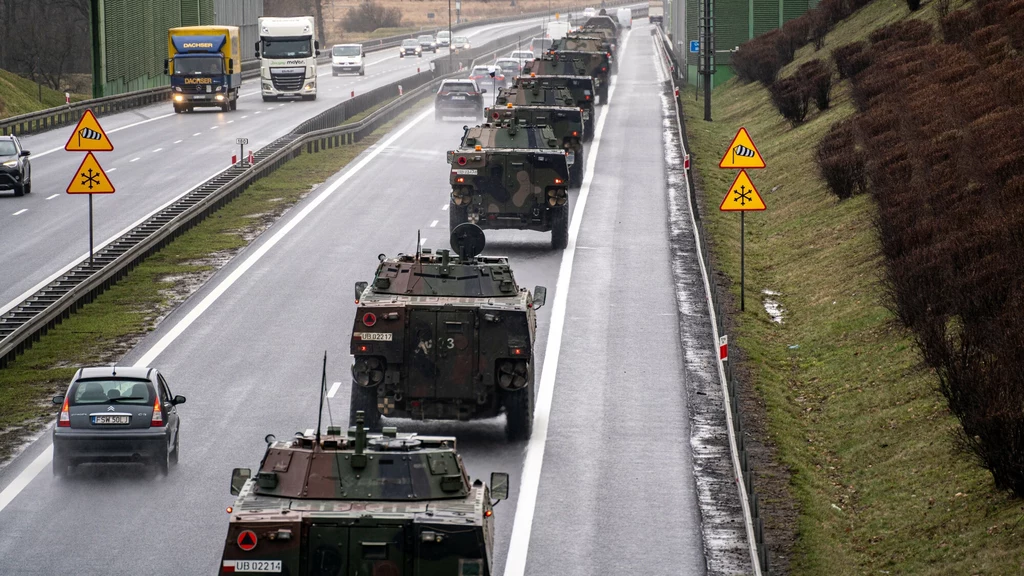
(241, 148)
(90, 178)
(742, 196)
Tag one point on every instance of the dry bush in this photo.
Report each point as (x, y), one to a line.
(756, 61)
(369, 16)
(840, 163)
(817, 79)
(958, 26)
(792, 98)
(851, 59)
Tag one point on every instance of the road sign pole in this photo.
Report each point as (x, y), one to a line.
(90, 229)
(743, 299)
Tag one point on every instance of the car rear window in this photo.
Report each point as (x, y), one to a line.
(480, 72)
(508, 65)
(120, 391)
(462, 87)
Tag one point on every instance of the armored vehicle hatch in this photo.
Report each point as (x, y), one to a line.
(438, 336)
(361, 503)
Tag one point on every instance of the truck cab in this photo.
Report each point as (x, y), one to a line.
(287, 50)
(205, 66)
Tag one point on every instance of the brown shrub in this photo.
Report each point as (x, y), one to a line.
(904, 32)
(840, 162)
(851, 59)
(756, 61)
(958, 26)
(817, 79)
(791, 97)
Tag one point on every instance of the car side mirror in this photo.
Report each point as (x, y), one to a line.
(540, 296)
(483, 90)
(58, 399)
(257, 46)
(179, 399)
(316, 53)
(499, 485)
(167, 66)
(316, 44)
(231, 65)
(25, 153)
(360, 288)
(239, 476)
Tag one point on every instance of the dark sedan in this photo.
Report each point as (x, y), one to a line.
(15, 168)
(116, 414)
(459, 98)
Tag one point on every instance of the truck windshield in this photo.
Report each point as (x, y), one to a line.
(347, 50)
(193, 65)
(287, 48)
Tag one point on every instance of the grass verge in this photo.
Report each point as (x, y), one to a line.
(852, 411)
(104, 330)
(20, 96)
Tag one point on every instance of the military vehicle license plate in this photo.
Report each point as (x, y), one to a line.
(465, 171)
(382, 336)
(111, 419)
(254, 565)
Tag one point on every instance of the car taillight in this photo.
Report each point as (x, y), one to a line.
(462, 159)
(65, 416)
(575, 133)
(369, 319)
(588, 96)
(158, 415)
(604, 68)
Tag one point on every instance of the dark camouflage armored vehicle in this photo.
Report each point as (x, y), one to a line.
(586, 42)
(581, 91)
(602, 22)
(438, 336)
(598, 65)
(361, 504)
(511, 176)
(565, 121)
(558, 64)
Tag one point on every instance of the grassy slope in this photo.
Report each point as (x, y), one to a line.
(854, 413)
(20, 96)
(104, 330)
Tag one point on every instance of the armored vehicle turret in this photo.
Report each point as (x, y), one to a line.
(510, 176)
(361, 503)
(446, 337)
(566, 122)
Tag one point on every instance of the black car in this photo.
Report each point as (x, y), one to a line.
(410, 47)
(459, 97)
(427, 42)
(116, 414)
(15, 169)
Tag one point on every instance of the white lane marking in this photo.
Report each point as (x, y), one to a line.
(134, 159)
(244, 117)
(258, 111)
(157, 150)
(249, 262)
(271, 108)
(26, 476)
(52, 196)
(434, 223)
(445, 207)
(230, 121)
(423, 241)
(529, 484)
(214, 127)
(22, 211)
(111, 169)
(41, 461)
(197, 133)
(177, 141)
(110, 132)
(334, 389)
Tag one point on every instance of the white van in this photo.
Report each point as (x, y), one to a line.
(444, 38)
(347, 58)
(556, 30)
(625, 16)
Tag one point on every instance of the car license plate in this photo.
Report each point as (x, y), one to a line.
(458, 97)
(200, 96)
(381, 336)
(104, 419)
(265, 566)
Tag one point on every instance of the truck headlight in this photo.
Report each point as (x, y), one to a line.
(178, 97)
(310, 86)
(220, 97)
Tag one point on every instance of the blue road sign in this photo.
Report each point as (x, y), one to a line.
(694, 46)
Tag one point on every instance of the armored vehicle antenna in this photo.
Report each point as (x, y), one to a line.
(323, 388)
(467, 240)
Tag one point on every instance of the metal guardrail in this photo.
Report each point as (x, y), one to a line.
(51, 118)
(741, 460)
(27, 322)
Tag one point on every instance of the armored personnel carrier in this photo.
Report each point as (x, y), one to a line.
(572, 64)
(509, 176)
(446, 337)
(598, 65)
(360, 503)
(566, 121)
(594, 41)
(581, 89)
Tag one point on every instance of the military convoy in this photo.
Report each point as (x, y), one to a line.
(446, 337)
(564, 119)
(361, 503)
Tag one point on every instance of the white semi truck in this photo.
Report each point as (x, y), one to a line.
(287, 51)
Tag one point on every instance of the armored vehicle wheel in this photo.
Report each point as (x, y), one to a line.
(560, 227)
(364, 398)
(519, 412)
(456, 215)
(576, 172)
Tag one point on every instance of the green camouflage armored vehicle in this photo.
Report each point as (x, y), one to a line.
(508, 176)
(446, 337)
(361, 504)
(581, 90)
(586, 42)
(602, 22)
(565, 121)
(574, 64)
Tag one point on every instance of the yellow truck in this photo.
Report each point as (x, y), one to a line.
(205, 66)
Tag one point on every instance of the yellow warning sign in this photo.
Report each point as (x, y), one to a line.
(742, 196)
(90, 178)
(88, 136)
(742, 153)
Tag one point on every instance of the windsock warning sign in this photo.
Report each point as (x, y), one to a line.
(742, 153)
(88, 136)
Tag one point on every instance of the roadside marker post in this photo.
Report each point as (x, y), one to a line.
(742, 196)
(90, 178)
(241, 149)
